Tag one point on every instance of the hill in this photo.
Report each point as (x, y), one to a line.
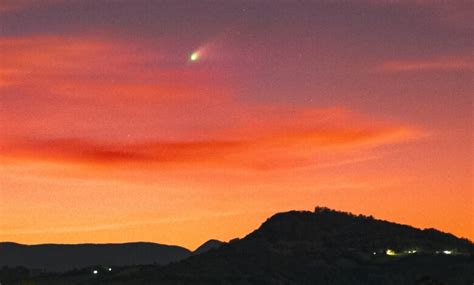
(208, 245)
(59, 257)
(320, 247)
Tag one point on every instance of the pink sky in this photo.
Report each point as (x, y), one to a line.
(109, 133)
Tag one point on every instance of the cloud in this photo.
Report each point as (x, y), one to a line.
(111, 226)
(295, 141)
(14, 5)
(437, 64)
(60, 86)
(99, 100)
(60, 62)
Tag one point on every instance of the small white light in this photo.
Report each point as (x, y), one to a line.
(110, 269)
(95, 271)
(447, 251)
(375, 253)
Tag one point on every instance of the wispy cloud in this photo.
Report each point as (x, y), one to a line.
(264, 145)
(112, 226)
(96, 66)
(14, 5)
(438, 64)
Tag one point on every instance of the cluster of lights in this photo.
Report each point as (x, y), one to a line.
(447, 252)
(387, 252)
(391, 252)
(95, 271)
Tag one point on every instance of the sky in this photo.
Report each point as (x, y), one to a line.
(111, 131)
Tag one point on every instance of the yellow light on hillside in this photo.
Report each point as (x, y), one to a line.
(390, 252)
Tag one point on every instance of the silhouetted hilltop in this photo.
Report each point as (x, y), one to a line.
(208, 245)
(59, 257)
(320, 247)
(325, 247)
(326, 228)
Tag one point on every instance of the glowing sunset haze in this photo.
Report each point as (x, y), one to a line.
(180, 121)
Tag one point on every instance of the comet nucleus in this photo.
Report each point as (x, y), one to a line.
(194, 56)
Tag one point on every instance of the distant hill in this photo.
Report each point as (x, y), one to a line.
(208, 245)
(320, 247)
(58, 257)
(327, 229)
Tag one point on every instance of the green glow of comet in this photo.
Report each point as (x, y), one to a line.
(194, 56)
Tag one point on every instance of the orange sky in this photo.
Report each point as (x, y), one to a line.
(109, 133)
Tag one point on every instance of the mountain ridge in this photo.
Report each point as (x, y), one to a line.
(208, 245)
(63, 257)
(304, 247)
(325, 247)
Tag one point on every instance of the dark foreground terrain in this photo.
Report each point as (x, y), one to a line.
(62, 257)
(320, 247)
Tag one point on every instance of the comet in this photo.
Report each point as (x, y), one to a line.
(194, 56)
